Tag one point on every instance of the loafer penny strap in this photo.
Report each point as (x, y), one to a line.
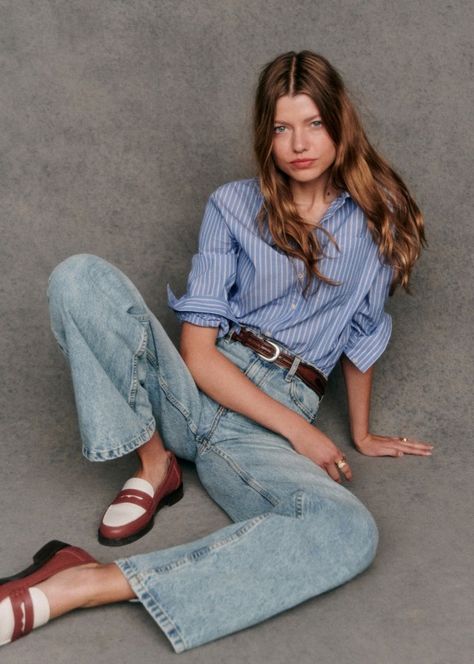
(23, 612)
(134, 496)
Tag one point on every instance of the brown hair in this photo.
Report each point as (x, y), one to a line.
(393, 218)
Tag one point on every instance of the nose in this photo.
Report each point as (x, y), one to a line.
(299, 141)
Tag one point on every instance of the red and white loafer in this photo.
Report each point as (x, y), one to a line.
(132, 513)
(24, 607)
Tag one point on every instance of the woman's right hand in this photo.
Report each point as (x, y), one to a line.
(314, 444)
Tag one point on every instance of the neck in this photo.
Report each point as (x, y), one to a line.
(312, 194)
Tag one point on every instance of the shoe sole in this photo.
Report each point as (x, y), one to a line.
(39, 559)
(169, 500)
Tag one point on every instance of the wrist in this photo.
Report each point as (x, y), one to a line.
(293, 425)
(359, 438)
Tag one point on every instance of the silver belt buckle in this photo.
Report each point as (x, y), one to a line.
(275, 355)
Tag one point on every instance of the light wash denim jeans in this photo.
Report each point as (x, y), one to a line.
(296, 533)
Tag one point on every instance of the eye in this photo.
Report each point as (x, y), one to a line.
(275, 129)
(317, 121)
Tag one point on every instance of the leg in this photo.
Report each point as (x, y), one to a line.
(128, 378)
(316, 537)
(132, 389)
(297, 533)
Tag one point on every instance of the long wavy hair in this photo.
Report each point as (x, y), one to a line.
(393, 218)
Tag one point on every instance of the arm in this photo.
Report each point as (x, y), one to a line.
(358, 388)
(224, 382)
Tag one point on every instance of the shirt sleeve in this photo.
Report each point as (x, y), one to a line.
(371, 325)
(212, 275)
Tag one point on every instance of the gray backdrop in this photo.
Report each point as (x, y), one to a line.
(117, 120)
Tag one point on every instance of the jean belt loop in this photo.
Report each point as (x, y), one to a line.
(292, 370)
(228, 336)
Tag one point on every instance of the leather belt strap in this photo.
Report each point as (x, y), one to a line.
(272, 352)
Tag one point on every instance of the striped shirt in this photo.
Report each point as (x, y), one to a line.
(239, 278)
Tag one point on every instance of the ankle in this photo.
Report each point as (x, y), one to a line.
(85, 586)
(153, 450)
(69, 589)
(108, 585)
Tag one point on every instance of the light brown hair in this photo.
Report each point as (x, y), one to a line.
(393, 218)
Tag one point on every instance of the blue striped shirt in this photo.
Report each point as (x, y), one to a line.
(240, 278)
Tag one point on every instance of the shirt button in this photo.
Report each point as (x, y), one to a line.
(293, 306)
(300, 275)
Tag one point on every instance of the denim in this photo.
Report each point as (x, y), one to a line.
(295, 532)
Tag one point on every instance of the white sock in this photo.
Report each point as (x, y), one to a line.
(41, 613)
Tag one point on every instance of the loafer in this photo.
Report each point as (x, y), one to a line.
(24, 607)
(132, 513)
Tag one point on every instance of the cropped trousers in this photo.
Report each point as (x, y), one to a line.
(294, 533)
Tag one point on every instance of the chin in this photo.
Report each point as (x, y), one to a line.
(305, 176)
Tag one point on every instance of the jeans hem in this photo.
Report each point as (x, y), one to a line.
(151, 604)
(130, 446)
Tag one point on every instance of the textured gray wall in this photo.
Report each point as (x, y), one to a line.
(117, 120)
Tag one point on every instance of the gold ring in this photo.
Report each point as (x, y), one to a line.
(340, 463)
(403, 439)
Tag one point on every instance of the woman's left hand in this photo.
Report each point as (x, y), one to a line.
(374, 445)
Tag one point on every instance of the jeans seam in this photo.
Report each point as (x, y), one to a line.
(197, 554)
(152, 605)
(299, 504)
(246, 476)
(125, 448)
(132, 395)
(61, 347)
(177, 404)
(309, 413)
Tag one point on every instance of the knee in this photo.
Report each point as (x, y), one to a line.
(359, 535)
(364, 535)
(349, 524)
(69, 277)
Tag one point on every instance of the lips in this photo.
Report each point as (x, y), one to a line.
(300, 164)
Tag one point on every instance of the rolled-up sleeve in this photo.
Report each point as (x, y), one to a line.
(212, 275)
(371, 325)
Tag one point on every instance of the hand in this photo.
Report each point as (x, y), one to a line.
(314, 444)
(374, 445)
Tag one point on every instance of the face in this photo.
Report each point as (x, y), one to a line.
(298, 133)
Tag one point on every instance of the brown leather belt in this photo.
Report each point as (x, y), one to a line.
(272, 352)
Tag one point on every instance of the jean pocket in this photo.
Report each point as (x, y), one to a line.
(144, 319)
(306, 399)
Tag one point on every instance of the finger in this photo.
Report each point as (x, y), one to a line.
(345, 469)
(412, 448)
(333, 472)
(415, 443)
(393, 448)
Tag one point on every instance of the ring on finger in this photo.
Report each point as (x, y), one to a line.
(403, 439)
(340, 463)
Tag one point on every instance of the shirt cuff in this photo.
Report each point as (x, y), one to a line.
(204, 321)
(365, 349)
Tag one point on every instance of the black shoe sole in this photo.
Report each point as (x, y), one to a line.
(39, 559)
(169, 500)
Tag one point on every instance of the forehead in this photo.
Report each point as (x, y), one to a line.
(297, 107)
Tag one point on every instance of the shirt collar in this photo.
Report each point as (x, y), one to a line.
(344, 194)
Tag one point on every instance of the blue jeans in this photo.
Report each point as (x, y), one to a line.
(295, 532)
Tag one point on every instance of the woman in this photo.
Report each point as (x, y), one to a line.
(291, 275)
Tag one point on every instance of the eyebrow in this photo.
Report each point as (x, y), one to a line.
(313, 117)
